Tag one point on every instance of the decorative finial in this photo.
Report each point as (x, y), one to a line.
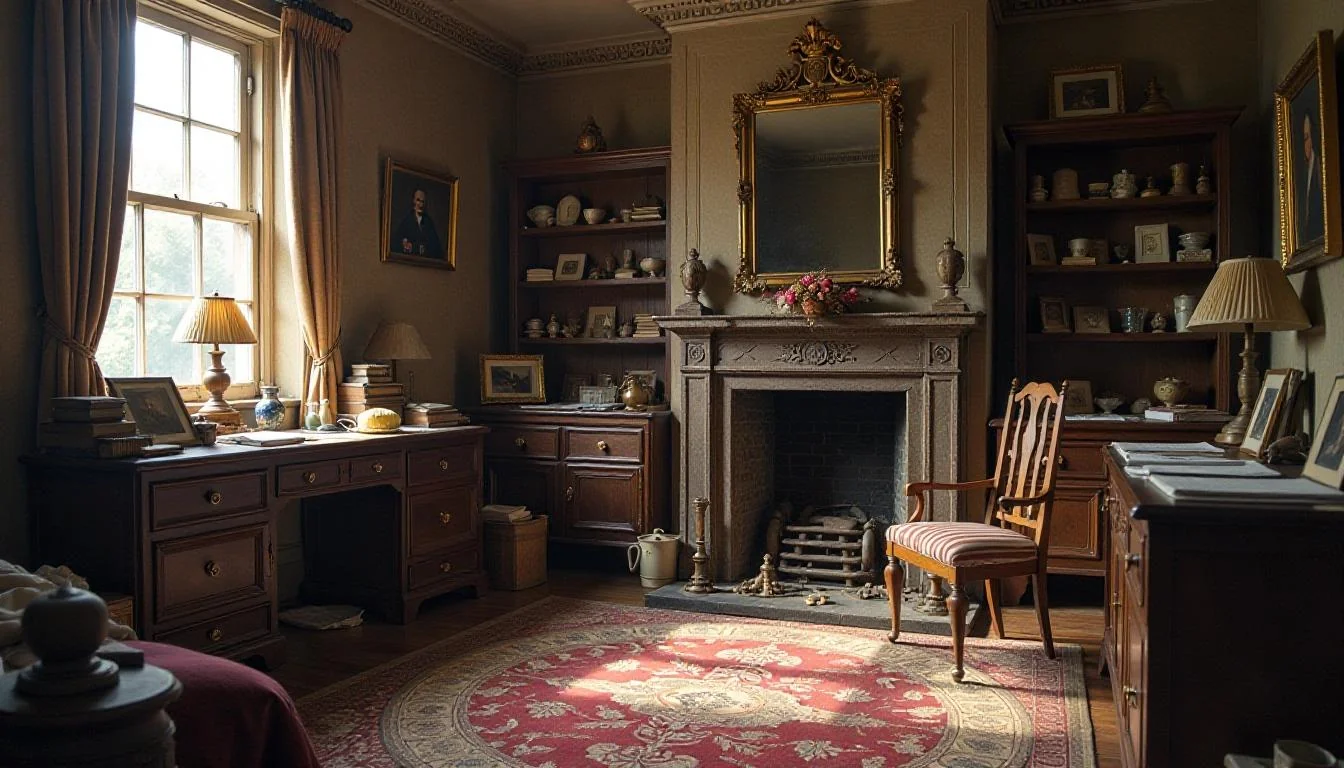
(1156, 102)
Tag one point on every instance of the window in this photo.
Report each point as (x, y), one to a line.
(191, 223)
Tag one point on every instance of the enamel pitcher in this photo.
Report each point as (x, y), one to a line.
(656, 557)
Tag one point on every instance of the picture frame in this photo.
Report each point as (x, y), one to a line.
(155, 405)
(1087, 91)
(419, 216)
(569, 266)
(512, 379)
(1152, 243)
(1099, 248)
(1325, 463)
(1273, 404)
(1078, 397)
(601, 322)
(1091, 320)
(1041, 251)
(572, 383)
(1054, 315)
(1306, 149)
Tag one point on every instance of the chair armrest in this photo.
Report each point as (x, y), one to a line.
(918, 491)
(1024, 501)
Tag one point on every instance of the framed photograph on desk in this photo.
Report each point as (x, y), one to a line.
(1325, 464)
(156, 407)
(1272, 408)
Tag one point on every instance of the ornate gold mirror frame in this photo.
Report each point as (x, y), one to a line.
(818, 77)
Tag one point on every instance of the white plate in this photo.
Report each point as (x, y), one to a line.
(567, 210)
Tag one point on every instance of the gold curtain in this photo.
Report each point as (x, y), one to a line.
(310, 82)
(83, 103)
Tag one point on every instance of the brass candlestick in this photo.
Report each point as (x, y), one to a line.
(700, 583)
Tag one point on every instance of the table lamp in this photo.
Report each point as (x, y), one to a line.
(1248, 295)
(397, 341)
(216, 320)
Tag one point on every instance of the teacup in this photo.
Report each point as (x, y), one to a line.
(1080, 247)
(594, 215)
(1291, 753)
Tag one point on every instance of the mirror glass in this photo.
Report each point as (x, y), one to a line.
(818, 188)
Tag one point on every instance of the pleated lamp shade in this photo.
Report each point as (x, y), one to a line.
(214, 320)
(396, 341)
(1250, 291)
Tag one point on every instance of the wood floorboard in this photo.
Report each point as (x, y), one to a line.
(318, 659)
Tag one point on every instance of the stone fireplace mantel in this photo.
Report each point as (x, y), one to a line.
(719, 362)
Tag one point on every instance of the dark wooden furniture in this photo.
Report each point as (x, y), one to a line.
(1222, 626)
(1013, 539)
(388, 522)
(602, 478)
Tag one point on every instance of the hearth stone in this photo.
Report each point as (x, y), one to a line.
(844, 610)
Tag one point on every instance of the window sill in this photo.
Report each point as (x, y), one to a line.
(245, 406)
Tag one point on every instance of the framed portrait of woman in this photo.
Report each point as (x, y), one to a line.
(1306, 132)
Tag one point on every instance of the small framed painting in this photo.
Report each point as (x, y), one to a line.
(573, 381)
(1041, 250)
(1091, 320)
(419, 217)
(1152, 243)
(155, 405)
(1271, 407)
(1306, 133)
(512, 379)
(1078, 397)
(601, 322)
(1087, 92)
(570, 266)
(1325, 464)
(1054, 315)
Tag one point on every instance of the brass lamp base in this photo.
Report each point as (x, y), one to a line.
(1248, 388)
(216, 382)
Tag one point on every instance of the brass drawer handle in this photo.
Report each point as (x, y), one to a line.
(445, 517)
(1061, 462)
(377, 467)
(212, 569)
(214, 497)
(569, 493)
(521, 443)
(1131, 695)
(443, 464)
(1116, 604)
(445, 567)
(602, 446)
(310, 477)
(1133, 559)
(216, 635)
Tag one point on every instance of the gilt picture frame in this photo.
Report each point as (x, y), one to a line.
(1307, 144)
(1087, 91)
(1272, 406)
(1325, 463)
(512, 379)
(419, 217)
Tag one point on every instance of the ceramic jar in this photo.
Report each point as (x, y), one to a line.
(1080, 247)
(1180, 179)
(553, 327)
(1065, 183)
(1124, 184)
(1171, 390)
(1184, 307)
(269, 411)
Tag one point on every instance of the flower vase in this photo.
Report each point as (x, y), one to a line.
(269, 411)
(813, 309)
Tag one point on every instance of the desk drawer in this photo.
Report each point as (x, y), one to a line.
(195, 573)
(523, 442)
(298, 479)
(189, 501)
(1081, 460)
(443, 518)
(214, 634)
(438, 465)
(604, 444)
(445, 565)
(369, 469)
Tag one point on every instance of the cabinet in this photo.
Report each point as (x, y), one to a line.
(602, 478)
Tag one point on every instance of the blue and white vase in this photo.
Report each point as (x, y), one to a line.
(270, 412)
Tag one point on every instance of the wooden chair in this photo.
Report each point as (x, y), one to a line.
(1014, 538)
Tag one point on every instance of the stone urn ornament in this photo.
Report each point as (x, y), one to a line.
(1124, 184)
(1171, 390)
(693, 274)
(590, 138)
(1156, 102)
(951, 265)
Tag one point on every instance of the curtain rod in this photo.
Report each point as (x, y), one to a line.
(319, 13)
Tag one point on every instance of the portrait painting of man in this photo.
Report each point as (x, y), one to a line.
(1305, 137)
(419, 217)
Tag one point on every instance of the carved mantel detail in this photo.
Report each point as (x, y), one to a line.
(816, 352)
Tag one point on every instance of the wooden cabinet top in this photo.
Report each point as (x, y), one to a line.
(566, 417)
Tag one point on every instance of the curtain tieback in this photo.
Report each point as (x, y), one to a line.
(64, 338)
(325, 356)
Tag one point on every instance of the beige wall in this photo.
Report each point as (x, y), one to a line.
(631, 104)
(1287, 27)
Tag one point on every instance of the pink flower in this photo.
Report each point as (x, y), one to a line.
(790, 298)
(807, 280)
(826, 282)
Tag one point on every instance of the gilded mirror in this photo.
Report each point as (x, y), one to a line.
(817, 152)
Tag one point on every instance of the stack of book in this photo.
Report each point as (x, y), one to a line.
(645, 327)
(91, 426)
(540, 275)
(1185, 413)
(369, 373)
(354, 397)
(433, 415)
(1078, 261)
(646, 213)
(505, 513)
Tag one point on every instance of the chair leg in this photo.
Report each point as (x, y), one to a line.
(1043, 611)
(994, 600)
(956, 610)
(895, 577)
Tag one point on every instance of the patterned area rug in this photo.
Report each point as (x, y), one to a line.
(564, 683)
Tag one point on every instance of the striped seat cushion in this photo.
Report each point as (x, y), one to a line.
(961, 544)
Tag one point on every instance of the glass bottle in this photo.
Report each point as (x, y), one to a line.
(312, 420)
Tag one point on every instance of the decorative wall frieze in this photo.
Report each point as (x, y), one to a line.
(629, 52)
(679, 14)
(1026, 10)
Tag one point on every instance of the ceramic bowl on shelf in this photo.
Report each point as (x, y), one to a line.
(652, 265)
(541, 215)
(1194, 240)
(1108, 403)
(1099, 189)
(594, 215)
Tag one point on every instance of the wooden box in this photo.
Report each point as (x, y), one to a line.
(515, 553)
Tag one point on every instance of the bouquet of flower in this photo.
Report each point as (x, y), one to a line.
(815, 295)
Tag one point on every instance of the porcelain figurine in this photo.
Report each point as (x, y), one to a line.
(1180, 179)
(1159, 322)
(1065, 183)
(553, 327)
(269, 411)
(1204, 185)
(1124, 184)
(1038, 193)
(626, 330)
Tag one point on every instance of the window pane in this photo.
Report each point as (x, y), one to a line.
(157, 155)
(227, 256)
(170, 247)
(116, 349)
(214, 85)
(126, 259)
(237, 357)
(163, 356)
(214, 167)
(158, 67)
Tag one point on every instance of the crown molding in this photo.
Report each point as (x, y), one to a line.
(625, 52)
(1008, 11)
(679, 15)
(431, 20)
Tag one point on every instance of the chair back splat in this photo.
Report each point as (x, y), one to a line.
(1028, 459)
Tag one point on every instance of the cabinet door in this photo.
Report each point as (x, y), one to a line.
(529, 483)
(603, 502)
(1075, 531)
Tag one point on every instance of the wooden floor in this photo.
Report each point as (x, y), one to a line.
(318, 659)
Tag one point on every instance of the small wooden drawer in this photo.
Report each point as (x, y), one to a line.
(370, 469)
(299, 479)
(519, 442)
(1081, 460)
(443, 518)
(220, 632)
(196, 573)
(189, 501)
(604, 444)
(1136, 565)
(439, 465)
(445, 565)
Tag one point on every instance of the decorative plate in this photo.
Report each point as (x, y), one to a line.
(567, 210)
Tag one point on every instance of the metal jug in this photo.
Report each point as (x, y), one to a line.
(656, 557)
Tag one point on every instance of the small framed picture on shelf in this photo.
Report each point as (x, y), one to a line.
(573, 381)
(1325, 463)
(1152, 243)
(1087, 92)
(1271, 409)
(155, 405)
(512, 379)
(1054, 315)
(1099, 249)
(1041, 250)
(1091, 320)
(1078, 397)
(569, 266)
(601, 322)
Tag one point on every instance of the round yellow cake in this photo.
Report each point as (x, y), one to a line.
(377, 420)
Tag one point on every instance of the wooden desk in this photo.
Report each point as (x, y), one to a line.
(389, 520)
(1223, 625)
